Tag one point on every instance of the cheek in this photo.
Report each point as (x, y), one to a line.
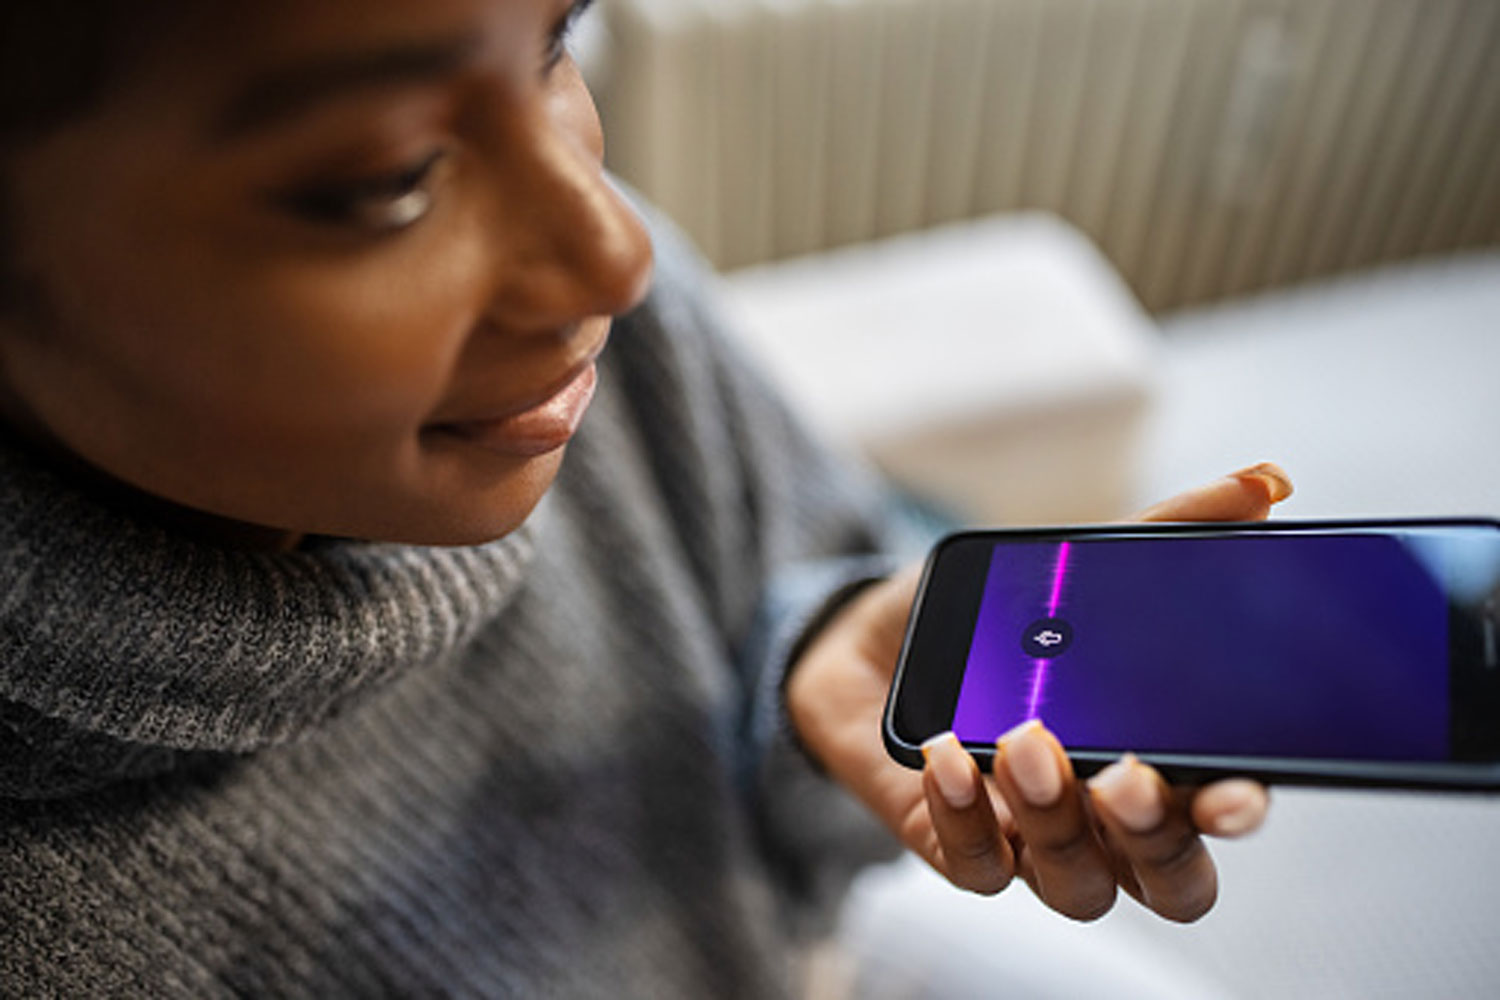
(360, 348)
(367, 345)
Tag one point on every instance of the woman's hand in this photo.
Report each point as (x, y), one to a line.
(1075, 843)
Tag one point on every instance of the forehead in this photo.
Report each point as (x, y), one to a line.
(291, 29)
(226, 51)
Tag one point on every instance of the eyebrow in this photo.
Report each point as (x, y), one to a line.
(285, 92)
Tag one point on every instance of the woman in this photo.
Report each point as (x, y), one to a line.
(323, 672)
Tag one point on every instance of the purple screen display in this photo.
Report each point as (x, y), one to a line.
(1326, 646)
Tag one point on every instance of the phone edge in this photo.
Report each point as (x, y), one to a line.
(1191, 769)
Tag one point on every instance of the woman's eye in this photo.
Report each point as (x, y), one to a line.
(557, 49)
(379, 204)
(557, 38)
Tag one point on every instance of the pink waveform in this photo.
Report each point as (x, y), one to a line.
(1039, 674)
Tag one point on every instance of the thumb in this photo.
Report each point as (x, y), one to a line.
(1246, 495)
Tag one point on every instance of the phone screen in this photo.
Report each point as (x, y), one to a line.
(1322, 645)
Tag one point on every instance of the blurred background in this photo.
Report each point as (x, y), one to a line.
(1049, 260)
(1209, 147)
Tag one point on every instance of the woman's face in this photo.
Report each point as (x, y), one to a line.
(333, 266)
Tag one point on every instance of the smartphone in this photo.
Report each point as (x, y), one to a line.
(1329, 652)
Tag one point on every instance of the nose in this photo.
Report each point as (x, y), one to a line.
(572, 246)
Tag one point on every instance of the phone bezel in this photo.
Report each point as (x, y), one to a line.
(946, 607)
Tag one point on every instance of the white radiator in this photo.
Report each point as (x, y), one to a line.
(1210, 147)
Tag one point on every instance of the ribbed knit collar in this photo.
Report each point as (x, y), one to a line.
(112, 627)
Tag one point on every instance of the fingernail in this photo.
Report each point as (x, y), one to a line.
(955, 771)
(1239, 805)
(1032, 763)
(1278, 483)
(1130, 792)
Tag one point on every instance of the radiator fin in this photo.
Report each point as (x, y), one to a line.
(1210, 147)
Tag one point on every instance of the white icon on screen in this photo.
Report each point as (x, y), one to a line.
(1047, 637)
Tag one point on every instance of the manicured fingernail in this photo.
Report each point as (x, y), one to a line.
(1239, 807)
(1032, 763)
(1131, 793)
(956, 773)
(1278, 483)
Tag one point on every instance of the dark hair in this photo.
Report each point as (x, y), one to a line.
(56, 59)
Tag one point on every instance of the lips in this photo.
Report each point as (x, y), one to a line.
(535, 428)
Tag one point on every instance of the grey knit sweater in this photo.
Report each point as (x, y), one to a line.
(548, 766)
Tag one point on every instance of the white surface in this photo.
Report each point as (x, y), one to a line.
(911, 936)
(981, 365)
(1343, 896)
(1380, 393)
(997, 317)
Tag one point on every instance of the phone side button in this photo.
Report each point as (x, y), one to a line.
(1491, 660)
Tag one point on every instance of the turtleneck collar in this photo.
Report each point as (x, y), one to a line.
(120, 641)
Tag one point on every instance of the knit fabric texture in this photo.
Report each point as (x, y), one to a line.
(551, 766)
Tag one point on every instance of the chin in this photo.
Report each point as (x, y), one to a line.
(473, 514)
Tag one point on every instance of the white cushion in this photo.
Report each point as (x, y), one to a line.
(1000, 366)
